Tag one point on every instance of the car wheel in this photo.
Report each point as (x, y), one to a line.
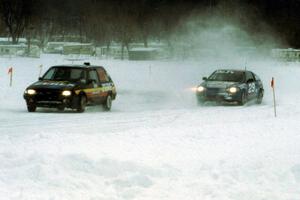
(107, 104)
(243, 99)
(31, 107)
(81, 104)
(259, 97)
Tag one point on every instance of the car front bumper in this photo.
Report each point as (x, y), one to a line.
(51, 102)
(218, 96)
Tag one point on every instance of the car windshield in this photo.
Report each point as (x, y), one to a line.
(227, 75)
(64, 74)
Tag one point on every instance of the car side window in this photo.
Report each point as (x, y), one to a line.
(102, 75)
(249, 76)
(94, 76)
(256, 77)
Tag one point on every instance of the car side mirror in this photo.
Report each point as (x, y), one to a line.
(251, 80)
(204, 78)
(40, 78)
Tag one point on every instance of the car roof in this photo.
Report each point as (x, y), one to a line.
(86, 66)
(234, 70)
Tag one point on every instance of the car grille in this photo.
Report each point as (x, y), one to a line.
(47, 95)
(212, 91)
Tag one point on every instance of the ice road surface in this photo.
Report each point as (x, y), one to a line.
(155, 143)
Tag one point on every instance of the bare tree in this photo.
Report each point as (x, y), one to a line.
(15, 14)
(125, 24)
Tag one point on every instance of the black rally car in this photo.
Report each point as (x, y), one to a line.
(231, 86)
(71, 86)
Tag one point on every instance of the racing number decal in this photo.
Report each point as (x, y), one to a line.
(251, 88)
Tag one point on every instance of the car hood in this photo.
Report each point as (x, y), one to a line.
(218, 84)
(63, 85)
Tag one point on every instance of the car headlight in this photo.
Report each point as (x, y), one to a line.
(233, 89)
(30, 91)
(200, 89)
(66, 93)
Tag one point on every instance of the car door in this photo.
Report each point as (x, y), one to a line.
(251, 85)
(106, 84)
(258, 82)
(94, 86)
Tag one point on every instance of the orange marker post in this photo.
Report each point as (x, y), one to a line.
(41, 69)
(10, 72)
(274, 99)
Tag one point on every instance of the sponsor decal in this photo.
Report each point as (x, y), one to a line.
(95, 91)
(225, 71)
(251, 88)
(55, 84)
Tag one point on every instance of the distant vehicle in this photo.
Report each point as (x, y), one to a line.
(227, 85)
(71, 86)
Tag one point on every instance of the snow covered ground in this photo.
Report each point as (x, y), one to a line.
(155, 143)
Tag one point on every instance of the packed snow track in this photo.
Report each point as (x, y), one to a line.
(156, 143)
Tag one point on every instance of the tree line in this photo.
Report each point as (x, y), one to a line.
(102, 22)
(126, 21)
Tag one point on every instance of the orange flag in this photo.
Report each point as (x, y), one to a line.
(272, 82)
(10, 70)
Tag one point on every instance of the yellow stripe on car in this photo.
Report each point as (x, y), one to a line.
(94, 90)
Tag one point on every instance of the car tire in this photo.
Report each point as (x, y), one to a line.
(81, 104)
(243, 99)
(31, 107)
(107, 104)
(259, 97)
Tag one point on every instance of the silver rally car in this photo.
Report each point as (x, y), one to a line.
(226, 85)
